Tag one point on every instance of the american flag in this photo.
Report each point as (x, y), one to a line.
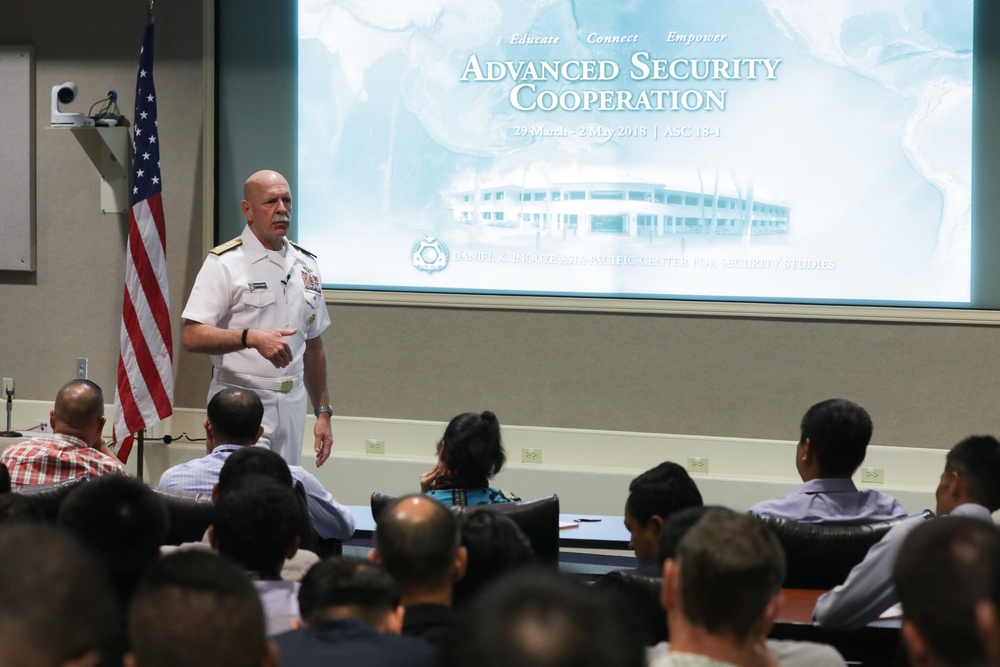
(145, 391)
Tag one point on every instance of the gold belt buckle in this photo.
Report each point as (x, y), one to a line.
(286, 386)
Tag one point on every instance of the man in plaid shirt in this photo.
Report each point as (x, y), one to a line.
(73, 449)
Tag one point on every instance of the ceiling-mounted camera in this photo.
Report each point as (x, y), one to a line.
(65, 93)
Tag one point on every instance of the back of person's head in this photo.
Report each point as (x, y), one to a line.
(18, 508)
(197, 609)
(235, 415)
(123, 520)
(417, 541)
(943, 570)
(79, 410)
(539, 618)
(56, 603)
(661, 491)
(348, 587)
(256, 524)
(4, 479)
(259, 461)
(977, 460)
(839, 432)
(730, 569)
(680, 523)
(471, 449)
(495, 545)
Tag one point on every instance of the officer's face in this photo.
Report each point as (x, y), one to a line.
(268, 209)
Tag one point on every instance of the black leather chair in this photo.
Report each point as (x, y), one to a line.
(642, 595)
(47, 497)
(821, 556)
(539, 519)
(190, 514)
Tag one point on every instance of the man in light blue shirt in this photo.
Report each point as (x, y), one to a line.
(834, 438)
(969, 486)
(234, 422)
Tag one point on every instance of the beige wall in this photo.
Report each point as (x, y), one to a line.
(926, 385)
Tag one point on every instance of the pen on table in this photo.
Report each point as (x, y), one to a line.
(585, 520)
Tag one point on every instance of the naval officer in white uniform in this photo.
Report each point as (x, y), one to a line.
(257, 308)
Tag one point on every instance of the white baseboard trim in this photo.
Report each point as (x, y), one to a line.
(589, 469)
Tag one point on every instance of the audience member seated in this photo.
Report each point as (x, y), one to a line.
(786, 653)
(470, 454)
(17, 508)
(56, 604)
(539, 618)
(4, 479)
(246, 462)
(969, 486)
(417, 542)
(197, 610)
(653, 497)
(494, 545)
(944, 571)
(988, 616)
(123, 521)
(234, 422)
(721, 594)
(73, 449)
(352, 616)
(255, 525)
(832, 445)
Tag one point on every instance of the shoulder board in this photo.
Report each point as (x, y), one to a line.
(227, 246)
(301, 249)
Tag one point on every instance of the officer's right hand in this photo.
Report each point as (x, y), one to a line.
(271, 345)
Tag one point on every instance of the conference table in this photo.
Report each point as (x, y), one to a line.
(576, 531)
(875, 644)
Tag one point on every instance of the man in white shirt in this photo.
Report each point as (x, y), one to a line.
(257, 308)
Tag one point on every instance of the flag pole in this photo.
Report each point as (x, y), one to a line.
(138, 453)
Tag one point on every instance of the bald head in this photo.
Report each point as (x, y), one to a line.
(79, 410)
(260, 180)
(267, 205)
(417, 541)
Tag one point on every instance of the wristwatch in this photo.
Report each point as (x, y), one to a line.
(323, 409)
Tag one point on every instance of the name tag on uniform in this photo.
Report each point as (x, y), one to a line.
(256, 286)
(311, 281)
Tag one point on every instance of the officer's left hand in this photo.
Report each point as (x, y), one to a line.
(324, 438)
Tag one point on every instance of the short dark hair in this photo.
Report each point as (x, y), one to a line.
(730, 568)
(661, 491)
(536, 617)
(4, 479)
(472, 450)
(361, 586)
(421, 554)
(256, 522)
(495, 545)
(235, 415)
(839, 432)
(19, 508)
(197, 609)
(977, 460)
(943, 570)
(123, 520)
(55, 597)
(253, 461)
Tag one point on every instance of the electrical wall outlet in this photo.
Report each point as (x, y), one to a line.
(531, 455)
(81, 368)
(373, 446)
(697, 464)
(872, 475)
(8, 387)
(42, 426)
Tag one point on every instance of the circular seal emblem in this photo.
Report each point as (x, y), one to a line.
(429, 254)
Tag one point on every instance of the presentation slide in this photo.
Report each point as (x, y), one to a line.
(771, 150)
